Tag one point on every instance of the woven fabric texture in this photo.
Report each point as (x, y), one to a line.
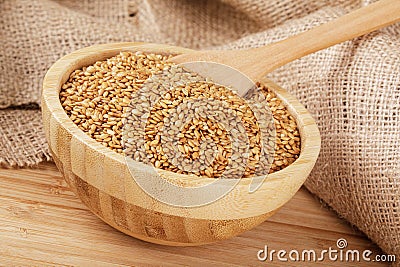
(351, 89)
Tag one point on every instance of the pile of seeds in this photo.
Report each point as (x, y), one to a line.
(168, 123)
(196, 127)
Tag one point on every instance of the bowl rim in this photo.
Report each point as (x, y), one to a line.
(58, 74)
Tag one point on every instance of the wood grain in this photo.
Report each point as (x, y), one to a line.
(42, 223)
(101, 178)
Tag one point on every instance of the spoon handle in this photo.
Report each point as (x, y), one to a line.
(257, 62)
(347, 27)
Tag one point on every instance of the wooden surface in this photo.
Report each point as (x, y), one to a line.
(102, 180)
(354, 24)
(42, 223)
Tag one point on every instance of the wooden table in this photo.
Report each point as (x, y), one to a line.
(42, 223)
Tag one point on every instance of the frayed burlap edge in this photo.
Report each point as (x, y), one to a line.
(22, 138)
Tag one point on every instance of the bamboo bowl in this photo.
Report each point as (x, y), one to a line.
(101, 179)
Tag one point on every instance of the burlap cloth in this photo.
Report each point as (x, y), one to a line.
(351, 89)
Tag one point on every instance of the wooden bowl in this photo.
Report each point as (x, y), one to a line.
(101, 179)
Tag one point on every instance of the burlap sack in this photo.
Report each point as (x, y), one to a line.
(352, 89)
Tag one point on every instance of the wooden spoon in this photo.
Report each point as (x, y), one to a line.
(257, 62)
